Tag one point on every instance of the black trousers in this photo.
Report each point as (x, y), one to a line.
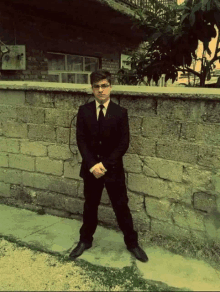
(117, 193)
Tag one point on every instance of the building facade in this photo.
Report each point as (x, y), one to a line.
(64, 41)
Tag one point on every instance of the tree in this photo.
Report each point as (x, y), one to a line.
(172, 38)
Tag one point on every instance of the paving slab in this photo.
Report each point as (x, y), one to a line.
(178, 271)
(57, 238)
(20, 223)
(108, 250)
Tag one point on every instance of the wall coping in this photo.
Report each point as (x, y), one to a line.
(129, 90)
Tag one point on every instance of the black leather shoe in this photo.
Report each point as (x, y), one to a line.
(139, 254)
(79, 249)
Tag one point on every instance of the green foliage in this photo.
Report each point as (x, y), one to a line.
(172, 35)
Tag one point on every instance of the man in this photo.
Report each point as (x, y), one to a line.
(102, 133)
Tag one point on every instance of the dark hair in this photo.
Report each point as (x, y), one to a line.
(99, 75)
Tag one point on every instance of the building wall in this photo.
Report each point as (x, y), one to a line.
(172, 164)
(41, 36)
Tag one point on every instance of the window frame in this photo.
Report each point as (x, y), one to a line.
(60, 72)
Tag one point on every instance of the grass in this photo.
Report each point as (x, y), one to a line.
(25, 269)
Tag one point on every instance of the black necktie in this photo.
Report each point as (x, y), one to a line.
(101, 118)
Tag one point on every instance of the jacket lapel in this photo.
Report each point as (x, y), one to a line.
(108, 116)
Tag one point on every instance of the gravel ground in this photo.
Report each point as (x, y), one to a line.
(22, 269)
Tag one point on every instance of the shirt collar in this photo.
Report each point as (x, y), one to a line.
(105, 104)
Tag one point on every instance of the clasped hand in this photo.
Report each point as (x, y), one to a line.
(99, 170)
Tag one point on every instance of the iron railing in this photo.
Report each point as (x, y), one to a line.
(145, 3)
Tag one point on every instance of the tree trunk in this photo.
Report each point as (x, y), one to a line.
(202, 80)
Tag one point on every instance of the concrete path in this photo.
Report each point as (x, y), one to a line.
(59, 235)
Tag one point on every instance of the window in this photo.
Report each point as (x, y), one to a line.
(125, 58)
(67, 68)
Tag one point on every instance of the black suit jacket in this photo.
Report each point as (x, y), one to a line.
(115, 140)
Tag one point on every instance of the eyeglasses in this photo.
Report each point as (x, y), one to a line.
(103, 86)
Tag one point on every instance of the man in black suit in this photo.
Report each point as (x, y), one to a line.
(102, 133)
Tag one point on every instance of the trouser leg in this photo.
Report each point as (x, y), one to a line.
(92, 192)
(118, 195)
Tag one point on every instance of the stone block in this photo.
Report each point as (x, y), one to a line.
(7, 113)
(21, 194)
(183, 110)
(80, 190)
(11, 176)
(12, 97)
(74, 206)
(202, 133)
(135, 124)
(136, 202)
(28, 179)
(147, 171)
(142, 146)
(3, 159)
(197, 176)
(205, 202)
(72, 169)
(132, 163)
(33, 148)
(21, 161)
(170, 130)
(188, 218)
(139, 106)
(212, 225)
(189, 131)
(155, 187)
(67, 101)
(50, 166)
(209, 156)
(57, 117)
(14, 130)
(50, 199)
(160, 209)
(30, 115)
(51, 183)
(59, 152)
(4, 190)
(9, 145)
(141, 221)
(152, 127)
(166, 169)
(169, 229)
(63, 135)
(212, 112)
(149, 186)
(41, 133)
(184, 152)
(40, 99)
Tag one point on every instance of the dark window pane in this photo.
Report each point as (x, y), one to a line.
(74, 63)
(68, 78)
(56, 62)
(53, 78)
(91, 64)
(82, 78)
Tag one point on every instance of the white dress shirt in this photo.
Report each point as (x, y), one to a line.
(97, 114)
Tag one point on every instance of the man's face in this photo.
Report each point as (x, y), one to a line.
(102, 90)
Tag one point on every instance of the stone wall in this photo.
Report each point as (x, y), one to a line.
(172, 165)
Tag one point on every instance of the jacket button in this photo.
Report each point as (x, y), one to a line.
(100, 142)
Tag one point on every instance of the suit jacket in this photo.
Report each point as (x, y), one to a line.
(115, 140)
